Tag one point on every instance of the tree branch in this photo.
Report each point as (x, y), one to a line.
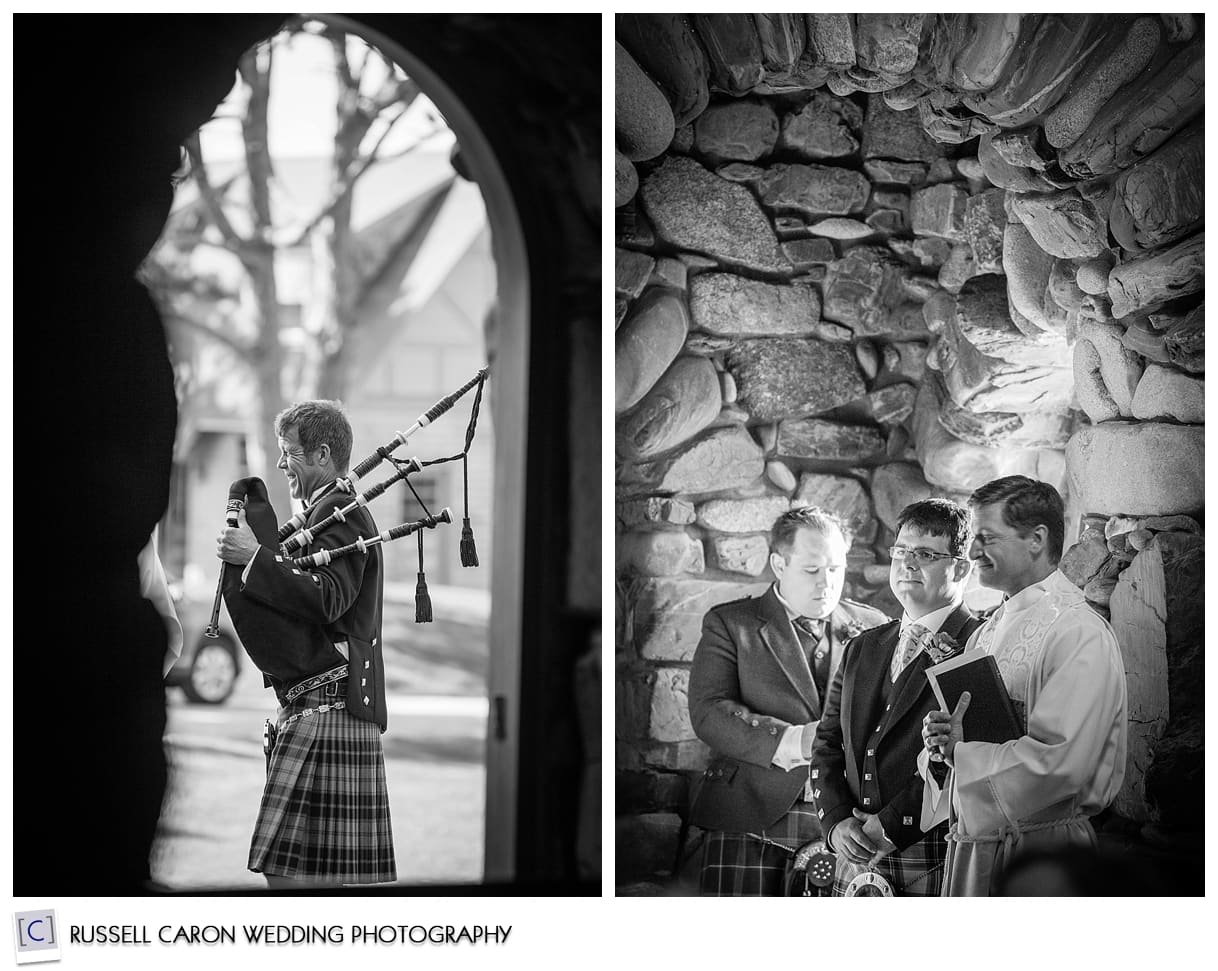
(212, 202)
(347, 184)
(244, 350)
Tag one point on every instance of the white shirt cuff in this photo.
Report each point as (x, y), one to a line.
(790, 750)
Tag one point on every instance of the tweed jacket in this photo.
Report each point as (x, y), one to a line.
(751, 681)
(342, 600)
(853, 712)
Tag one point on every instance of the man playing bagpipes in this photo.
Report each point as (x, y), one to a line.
(315, 635)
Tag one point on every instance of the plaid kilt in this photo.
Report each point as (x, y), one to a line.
(916, 871)
(325, 809)
(742, 865)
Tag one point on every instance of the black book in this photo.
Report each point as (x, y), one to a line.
(991, 715)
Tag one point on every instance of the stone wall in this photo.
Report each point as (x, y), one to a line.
(864, 259)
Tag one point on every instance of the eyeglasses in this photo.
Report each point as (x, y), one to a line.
(920, 556)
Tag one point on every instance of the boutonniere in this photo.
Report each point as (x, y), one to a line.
(847, 629)
(940, 646)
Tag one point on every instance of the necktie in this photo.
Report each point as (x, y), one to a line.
(911, 644)
(811, 635)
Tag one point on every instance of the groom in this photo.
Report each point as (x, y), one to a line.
(864, 758)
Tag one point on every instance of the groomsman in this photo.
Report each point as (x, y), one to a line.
(760, 674)
(1062, 667)
(864, 760)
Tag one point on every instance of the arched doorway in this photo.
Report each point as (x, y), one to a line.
(379, 301)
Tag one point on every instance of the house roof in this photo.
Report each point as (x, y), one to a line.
(300, 185)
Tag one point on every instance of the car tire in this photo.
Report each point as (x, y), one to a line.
(213, 672)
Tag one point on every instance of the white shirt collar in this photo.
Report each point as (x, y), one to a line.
(932, 621)
(1029, 595)
(318, 491)
(792, 613)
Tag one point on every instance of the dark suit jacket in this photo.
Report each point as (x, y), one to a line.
(750, 681)
(342, 600)
(848, 727)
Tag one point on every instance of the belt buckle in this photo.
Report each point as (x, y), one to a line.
(331, 689)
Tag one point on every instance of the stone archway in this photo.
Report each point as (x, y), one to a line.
(863, 259)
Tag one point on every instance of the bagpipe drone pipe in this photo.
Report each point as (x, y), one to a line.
(282, 646)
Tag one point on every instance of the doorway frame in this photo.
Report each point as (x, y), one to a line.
(510, 377)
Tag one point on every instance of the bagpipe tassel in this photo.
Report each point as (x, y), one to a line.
(469, 552)
(422, 599)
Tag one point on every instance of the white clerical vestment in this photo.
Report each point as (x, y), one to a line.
(1062, 667)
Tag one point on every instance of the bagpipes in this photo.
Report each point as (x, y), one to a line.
(249, 494)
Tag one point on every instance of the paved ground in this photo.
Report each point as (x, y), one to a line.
(434, 749)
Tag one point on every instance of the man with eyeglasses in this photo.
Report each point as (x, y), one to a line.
(760, 675)
(865, 756)
(1062, 667)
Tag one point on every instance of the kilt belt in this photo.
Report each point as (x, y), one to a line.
(314, 681)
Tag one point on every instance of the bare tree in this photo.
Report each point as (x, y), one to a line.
(372, 96)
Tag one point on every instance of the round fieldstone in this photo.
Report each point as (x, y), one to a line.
(894, 486)
(646, 344)
(625, 179)
(825, 127)
(890, 134)
(984, 320)
(725, 458)
(887, 42)
(669, 51)
(839, 227)
(985, 219)
(742, 515)
(828, 441)
(865, 290)
(814, 190)
(749, 555)
(733, 50)
(670, 706)
(1138, 468)
(1120, 369)
(684, 401)
(841, 495)
(939, 210)
(642, 117)
(740, 131)
(692, 209)
(1085, 559)
(1121, 64)
(780, 474)
(1064, 224)
(740, 172)
(786, 377)
(654, 509)
(831, 39)
(667, 614)
(731, 305)
(893, 404)
(1165, 392)
(868, 357)
(1092, 275)
(727, 386)
(661, 553)
(1145, 283)
(1027, 268)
